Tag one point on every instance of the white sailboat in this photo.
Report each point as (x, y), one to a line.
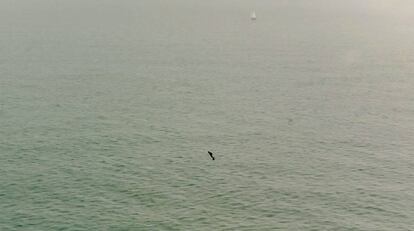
(253, 16)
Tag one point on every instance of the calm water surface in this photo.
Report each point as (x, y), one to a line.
(108, 108)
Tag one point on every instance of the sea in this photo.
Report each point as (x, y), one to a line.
(108, 109)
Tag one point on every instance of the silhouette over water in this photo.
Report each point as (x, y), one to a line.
(211, 155)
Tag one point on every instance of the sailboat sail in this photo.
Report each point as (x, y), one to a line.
(253, 15)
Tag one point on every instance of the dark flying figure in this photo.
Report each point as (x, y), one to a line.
(211, 155)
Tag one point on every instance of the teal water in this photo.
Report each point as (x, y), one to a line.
(108, 108)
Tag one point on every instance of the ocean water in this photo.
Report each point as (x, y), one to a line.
(108, 109)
